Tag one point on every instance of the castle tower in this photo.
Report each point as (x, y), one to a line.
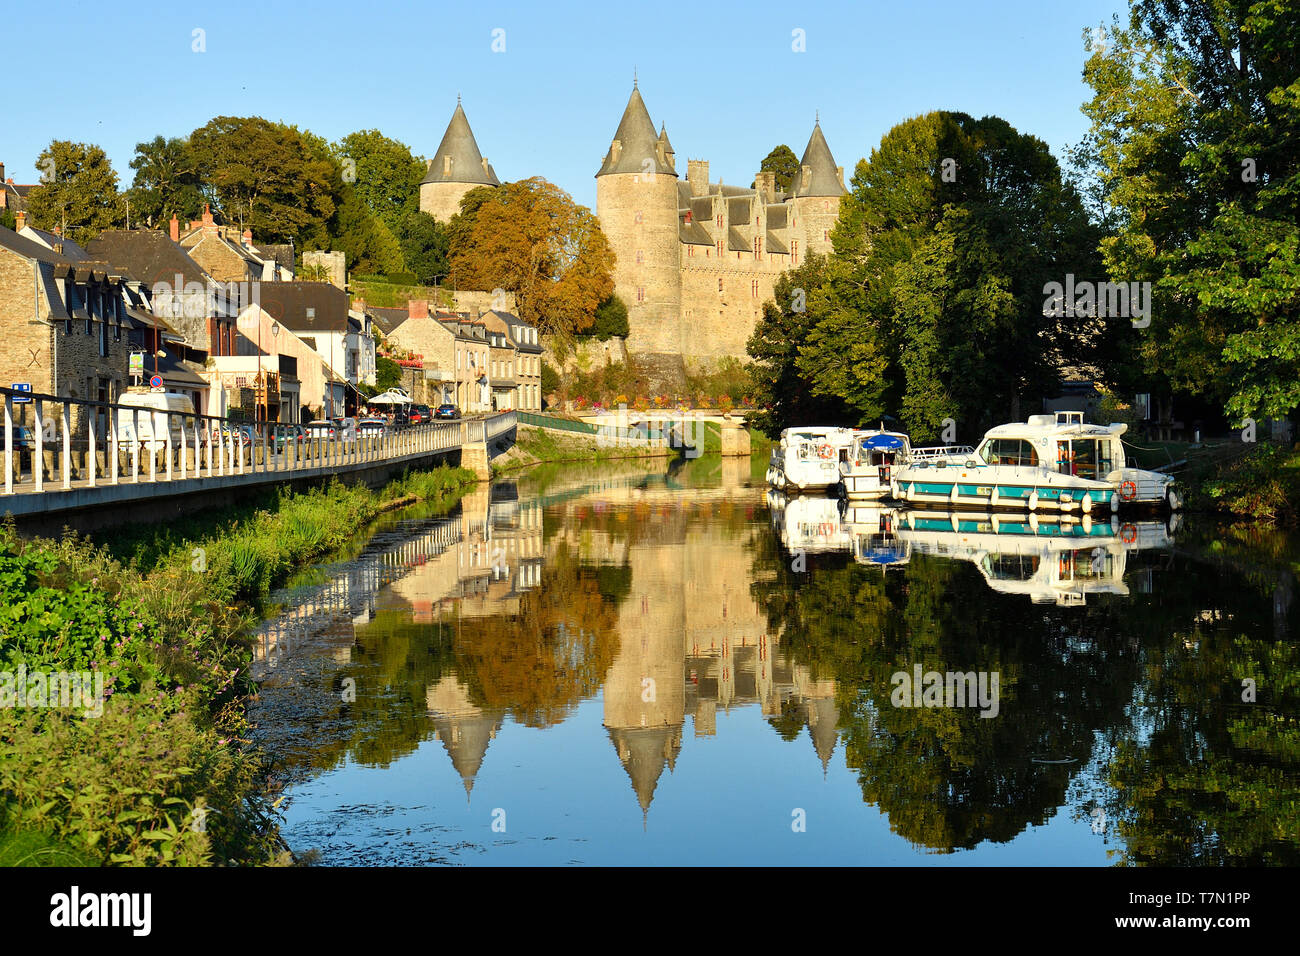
(817, 189)
(456, 168)
(636, 201)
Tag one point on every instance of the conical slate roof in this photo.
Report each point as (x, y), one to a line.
(823, 715)
(466, 740)
(643, 752)
(637, 141)
(825, 178)
(467, 164)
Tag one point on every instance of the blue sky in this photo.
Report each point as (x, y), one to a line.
(724, 77)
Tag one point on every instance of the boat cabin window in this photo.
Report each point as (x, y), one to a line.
(1084, 457)
(1011, 567)
(1008, 451)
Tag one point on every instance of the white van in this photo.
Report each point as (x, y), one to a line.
(153, 423)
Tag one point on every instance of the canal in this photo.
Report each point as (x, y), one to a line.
(667, 664)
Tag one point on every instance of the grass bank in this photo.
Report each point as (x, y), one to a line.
(146, 760)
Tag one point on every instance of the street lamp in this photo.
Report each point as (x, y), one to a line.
(275, 334)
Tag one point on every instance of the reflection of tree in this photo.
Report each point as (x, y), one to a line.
(555, 653)
(1217, 780)
(949, 778)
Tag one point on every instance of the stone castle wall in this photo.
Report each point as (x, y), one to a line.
(442, 200)
(638, 214)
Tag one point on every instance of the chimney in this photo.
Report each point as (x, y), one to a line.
(359, 304)
(58, 231)
(765, 186)
(2, 172)
(22, 221)
(208, 223)
(248, 238)
(697, 174)
(417, 308)
(175, 229)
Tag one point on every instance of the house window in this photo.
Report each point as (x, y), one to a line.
(103, 336)
(92, 305)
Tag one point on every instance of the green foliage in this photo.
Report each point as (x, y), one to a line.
(1263, 484)
(78, 191)
(424, 247)
(367, 241)
(166, 183)
(611, 320)
(784, 163)
(385, 175)
(550, 378)
(1195, 151)
(388, 374)
(284, 182)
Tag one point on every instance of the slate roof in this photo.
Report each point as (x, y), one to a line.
(514, 323)
(637, 142)
(775, 245)
(736, 242)
(70, 250)
(458, 145)
(388, 319)
(288, 303)
(29, 249)
(825, 178)
(693, 233)
(147, 254)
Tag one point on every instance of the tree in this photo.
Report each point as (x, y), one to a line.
(784, 163)
(388, 374)
(166, 182)
(532, 239)
(1195, 146)
(384, 173)
(78, 191)
(610, 320)
(424, 242)
(280, 181)
(370, 247)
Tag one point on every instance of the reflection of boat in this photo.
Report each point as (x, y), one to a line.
(867, 469)
(808, 523)
(1049, 463)
(871, 536)
(808, 458)
(1051, 559)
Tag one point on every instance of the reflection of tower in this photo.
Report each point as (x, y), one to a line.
(464, 729)
(645, 687)
(823, 715)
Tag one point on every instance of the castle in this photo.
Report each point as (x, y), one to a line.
(695, 260)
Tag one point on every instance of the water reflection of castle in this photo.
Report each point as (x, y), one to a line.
(691, 638)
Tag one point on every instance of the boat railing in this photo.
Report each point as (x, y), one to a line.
(941, 452)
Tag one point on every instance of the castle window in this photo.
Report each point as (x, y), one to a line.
(794, 251)
(690, 252)
(640, 257)
(640, 293)
(688, 217)
(719, 248)
(826, 235)
(753, 288)
(638, 217)
(826, 204)
(755, 222)
(719, 284)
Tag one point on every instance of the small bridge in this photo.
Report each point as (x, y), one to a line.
(64, 456)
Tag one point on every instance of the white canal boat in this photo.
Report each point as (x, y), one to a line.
(1049, 463)
(867, 469)
(808, 458)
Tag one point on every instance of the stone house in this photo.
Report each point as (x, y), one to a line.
(65, 321)
(193, 302)
(526, 368)
(226, 254)
(455, 353)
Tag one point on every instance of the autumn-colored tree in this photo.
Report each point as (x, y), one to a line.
(77, 192)
(532, 239)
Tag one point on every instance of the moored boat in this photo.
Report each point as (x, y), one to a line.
(808, 458)
(1048, 463)
(866, 471)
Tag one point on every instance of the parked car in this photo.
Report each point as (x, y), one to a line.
(447, 411)
(286, 435)
(324, 429)
(372, 427)
(420, 415)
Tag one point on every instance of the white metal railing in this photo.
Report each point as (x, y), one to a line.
(68, 440)
(939, 452)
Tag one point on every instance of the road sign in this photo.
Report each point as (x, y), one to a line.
(137, 363)
(21, 387)
(156, 382)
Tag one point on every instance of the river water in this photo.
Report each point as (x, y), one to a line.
(667, 664)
